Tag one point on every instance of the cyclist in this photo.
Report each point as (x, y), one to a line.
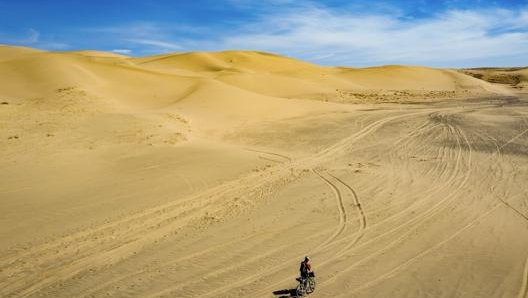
(306, 268)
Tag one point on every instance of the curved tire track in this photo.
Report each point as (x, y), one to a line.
(524, 285)
(343, 217)
(361, 214)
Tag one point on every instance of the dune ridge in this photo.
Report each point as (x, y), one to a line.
(246, 70)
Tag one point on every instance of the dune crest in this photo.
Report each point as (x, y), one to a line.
(37, 72)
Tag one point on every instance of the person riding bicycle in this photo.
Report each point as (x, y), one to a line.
(305, 269)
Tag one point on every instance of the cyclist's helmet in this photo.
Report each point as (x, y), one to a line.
(307, 258)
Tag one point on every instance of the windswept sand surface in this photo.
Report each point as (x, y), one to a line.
(213, 174)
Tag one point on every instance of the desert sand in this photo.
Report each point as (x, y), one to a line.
(214, 174)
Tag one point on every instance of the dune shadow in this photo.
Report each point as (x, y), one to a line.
(286, 293)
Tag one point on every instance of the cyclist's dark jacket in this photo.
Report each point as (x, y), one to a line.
(305, 268)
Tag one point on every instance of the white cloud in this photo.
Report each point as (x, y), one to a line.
(142, 37)
(50, 45)
(347, 36)
(156, 43)
(29, 37)
(332, 37)
(122, 51)
(137, 29)
(33, 36)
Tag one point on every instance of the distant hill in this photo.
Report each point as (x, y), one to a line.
(167, 79)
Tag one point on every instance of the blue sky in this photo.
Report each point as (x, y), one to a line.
(443, 33)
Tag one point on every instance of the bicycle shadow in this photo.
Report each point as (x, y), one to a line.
(285, 293)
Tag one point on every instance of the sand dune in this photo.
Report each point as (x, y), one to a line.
(213, 174)
(11, 52)
(516, 77)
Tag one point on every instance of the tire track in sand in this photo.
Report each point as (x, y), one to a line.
(362, 223)
(410, 261)
(286, 158)
(343, 217)
(436, 208)
(524, 286)
(361, 214)
(341, 226)
(422, 202)
(263, 236)
(107, 244)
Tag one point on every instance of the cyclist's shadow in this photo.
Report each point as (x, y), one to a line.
(285, 293)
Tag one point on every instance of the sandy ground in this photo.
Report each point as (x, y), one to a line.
(214, 174)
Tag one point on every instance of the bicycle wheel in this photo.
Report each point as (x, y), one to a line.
(300, 291)
(311, 285)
